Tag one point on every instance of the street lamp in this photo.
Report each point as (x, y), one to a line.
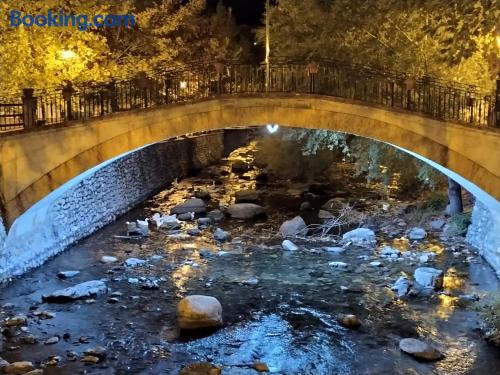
(66, 54)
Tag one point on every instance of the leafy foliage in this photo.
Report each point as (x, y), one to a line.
(167, 33)
(453, 40)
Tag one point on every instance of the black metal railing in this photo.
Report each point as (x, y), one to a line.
(11, 115)
(425, 95)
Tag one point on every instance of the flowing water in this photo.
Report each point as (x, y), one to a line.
(279, 307)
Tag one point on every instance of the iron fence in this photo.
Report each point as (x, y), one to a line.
(428, 96)
(11, 115)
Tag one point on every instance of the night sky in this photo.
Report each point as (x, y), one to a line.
(246, 12)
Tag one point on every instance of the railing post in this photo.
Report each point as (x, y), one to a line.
(67, 92)
(312, 69)
(219, 68)
(29, 109)
(497, 104)
(168, 86)
(113, 97)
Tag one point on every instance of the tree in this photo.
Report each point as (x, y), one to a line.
(167, 33)
(407, 36)
(36, 57)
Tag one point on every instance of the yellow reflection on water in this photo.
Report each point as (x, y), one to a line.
(452, 281)
(460, 358)
(181, 276)
(436, 248)
(446, 306)
(401, 244)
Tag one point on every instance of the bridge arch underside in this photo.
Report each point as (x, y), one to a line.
(34, 164)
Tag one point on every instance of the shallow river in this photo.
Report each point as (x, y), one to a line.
(279, 307)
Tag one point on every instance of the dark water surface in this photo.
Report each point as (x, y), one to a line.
(279, 307)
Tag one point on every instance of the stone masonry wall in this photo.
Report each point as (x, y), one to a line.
(3, 234)
(484, 233)
(96, 197)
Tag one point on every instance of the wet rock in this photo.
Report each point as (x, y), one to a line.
(98, 351)
(334, 249)
(428, 277)
(376, 264)
(197, 311)
(195, 205)
(420, 350)
(245, 211)
(204, 222)
(389, 252)
(334, 205)
(360, 237)
(349, 321)
(247, 196)
(113, 300)
(239, 167)
(90, 360)
(202, 194)
(35, 372)
(216, 215)
(15, 321)
(51, 341)
(402, 286)
(417, 234)
(150, 284)
(325, 215)
(80, 291)
(304, 206)
(168, 222)
(338, 264)
(289, 245)
(292, 227)
(134, 262)
(133, 280)
(44, 314)
(437, 225)
(106, 259)
(200, 368)
(19, 368)
(3, 364)
(29, 340)
(260, 367)
(156, 258)
(139, 228)
(188, 216)
(221, 235)
(492, 337)
(194, 232)
(67, 274)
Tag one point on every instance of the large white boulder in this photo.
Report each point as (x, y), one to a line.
(402, 286)
(80, 291)
(428, 277)
(292, 227)
(419, 350)
(289, 245)
(417, 234)
(197, 311)
(361, 237)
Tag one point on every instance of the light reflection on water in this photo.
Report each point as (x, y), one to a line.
(271, 339)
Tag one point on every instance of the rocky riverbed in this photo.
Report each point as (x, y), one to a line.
(330, 304)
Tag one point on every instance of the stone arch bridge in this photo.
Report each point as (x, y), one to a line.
(451, 127)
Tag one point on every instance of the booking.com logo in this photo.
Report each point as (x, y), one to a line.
(60, 19)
